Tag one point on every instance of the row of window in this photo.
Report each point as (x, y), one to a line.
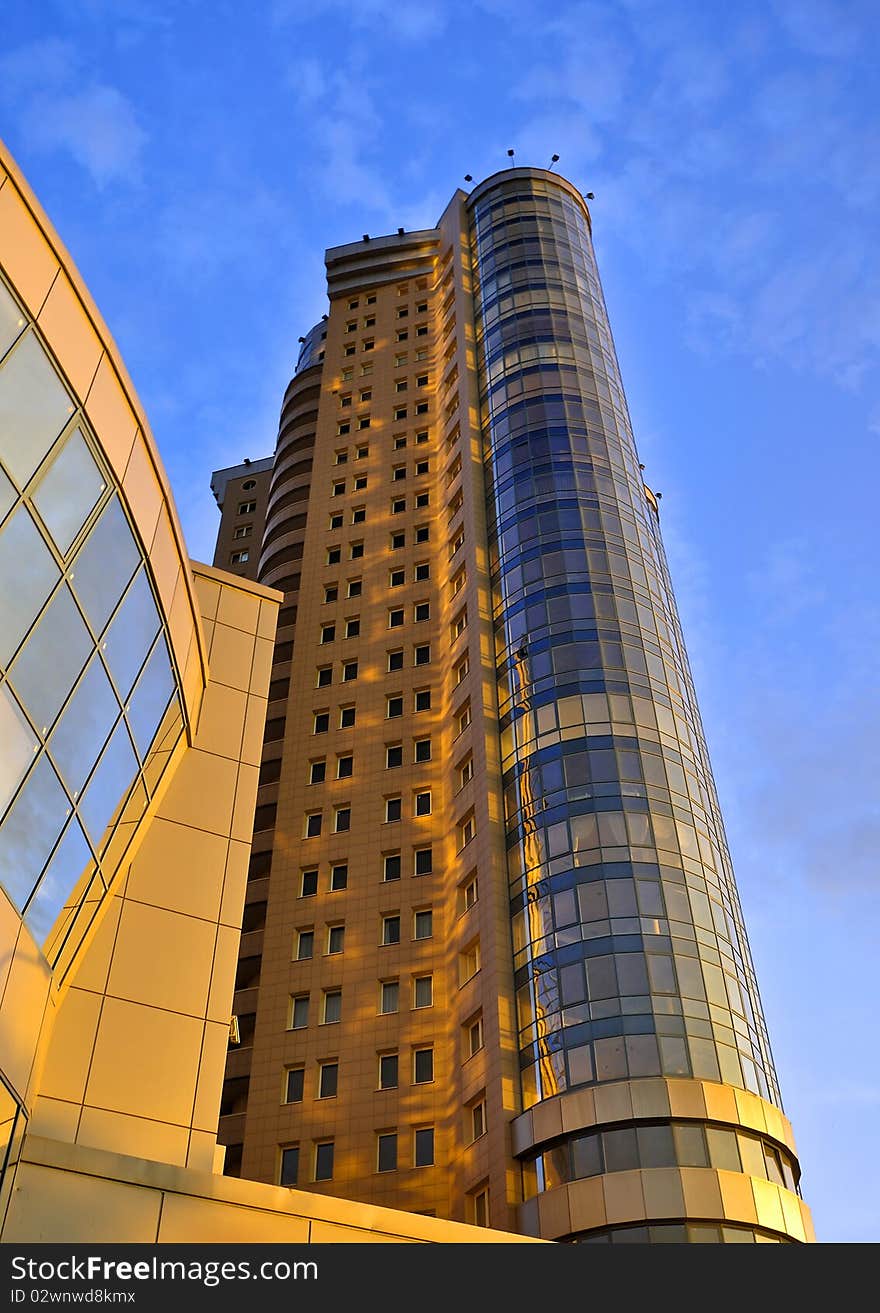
(421, 611)
(386, 1158)
(397, 505)
(327, 1085)
(397, 540)
(422, 748)
(369, 343)
(347, 714)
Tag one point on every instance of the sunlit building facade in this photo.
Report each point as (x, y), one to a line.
(133, 694)
(493, 964)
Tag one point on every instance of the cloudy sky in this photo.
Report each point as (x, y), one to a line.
(197, 158)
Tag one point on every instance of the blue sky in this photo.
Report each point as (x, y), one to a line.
(197, 158)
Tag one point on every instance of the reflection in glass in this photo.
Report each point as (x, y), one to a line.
(68, 491)
(12, 321)
(105, 563)
(50, 661)
(109, 785)
(66, 867)
(17, 746)
(150, 698)
(131, 634)
(34, 407)
(27, 575)
(82, 730)
(29, 831)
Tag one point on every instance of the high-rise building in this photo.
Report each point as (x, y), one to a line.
(493, 964)
(133, 688)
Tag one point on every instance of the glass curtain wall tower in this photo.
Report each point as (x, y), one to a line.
(593, 954)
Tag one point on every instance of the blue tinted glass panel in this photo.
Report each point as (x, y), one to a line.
(27, 575)
(17, 746)
(105, 563)
(69, 491)
(34, 407)
(109, 784)
(12, 321)
(50, 661)
(29, 831)
(131, 634)
(67, 865)
(84, 727)
(150, 698)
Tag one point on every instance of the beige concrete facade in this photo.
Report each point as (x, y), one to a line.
(115, 1020)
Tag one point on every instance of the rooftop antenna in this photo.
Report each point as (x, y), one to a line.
(468, 177)
(510, 154)
(554, 159)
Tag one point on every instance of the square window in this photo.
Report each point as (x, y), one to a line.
(366, 368)
(386, 1151)
(351, 326)
(359, 515)
(314, 821)
(400, 412)
(371, 300)
(353, 305)
(393, 756)
(305, 945)
(423, 992)
(402, 335)
(322, 722)
(318, 772)
(424, 859)
(353, 627)
(362, 453)
(398, 540)
(347, 717)
(364, 422)
(423, 499)
(355, 587)
(309, 884)
(465, 772)
(389, 996)
(422, 611)
(469, 963)
(395, 618)
(463, 719)
(422, 436)
(243, 531)
(468, 894)
(421, 330)
(466, 831)
(367, 345)
(398, 473)
(422, 353)
(332, 1006)
(331, 593)
(391, 867)
(422, 654)
(328, 1076)
(334, 554)
(422, 308)
(350, 350)
(395, 659)
(288, 1171)
(387, 1071)
(370, 321)
(344, 767)
(403, 312)
(481, 1208)
(299, 1011)
(294, 1085)
(422, 380)
(339, 488)
(423, 699)
(423, 1066)
(347, 374)
(392, 810)
(423, 533)
(478, 1120)
(335, 939)
(422, 750)
(239, 558)
(423, 924)
(400, 359)
(324, 1161)
(339, 876)
(462, 669)
(397, 578)
(421, 467)
(422, 808)
(399, 443)
(395, 707)
(359, 484)
(328, 633)
(398, 505)
(400, 385)
(341, 458)
(356, 551)
(335, 523)
(422, 571)
(343, 428)
(391, 930)
(343, 820)
(424, 1147)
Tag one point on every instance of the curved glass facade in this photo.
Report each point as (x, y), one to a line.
(89, 700)
(630, 953)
